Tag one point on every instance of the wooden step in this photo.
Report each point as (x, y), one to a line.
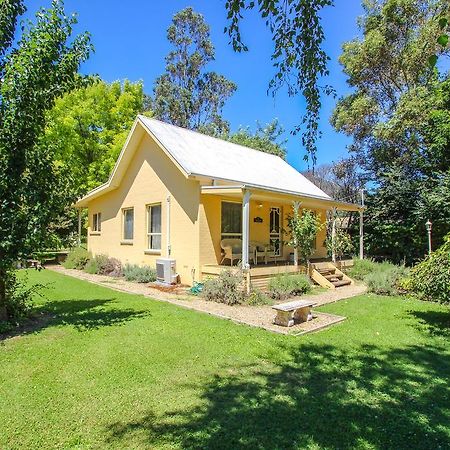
(326, 271)
(332, 277)
(341, 283)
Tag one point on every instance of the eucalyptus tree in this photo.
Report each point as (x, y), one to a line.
(186, 94)
(37, 64)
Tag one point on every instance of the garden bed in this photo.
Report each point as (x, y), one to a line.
(257, 316)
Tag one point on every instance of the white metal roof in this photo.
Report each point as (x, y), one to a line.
(202, 155)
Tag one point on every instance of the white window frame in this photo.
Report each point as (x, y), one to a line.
(124, 239)
(150, 234)
(97, 222)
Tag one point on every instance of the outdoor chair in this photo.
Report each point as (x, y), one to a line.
(232, 250)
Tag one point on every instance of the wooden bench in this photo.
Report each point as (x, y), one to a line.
(291, 312)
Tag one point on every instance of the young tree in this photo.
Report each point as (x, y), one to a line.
(88, 126)
(186, 95)
(265, 139)
(298, 57)
(302, 231)
(36, 66)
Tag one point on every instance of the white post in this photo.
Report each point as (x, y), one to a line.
(333, 235)
(169, 248)
(245, 229)
(361, 227)
(79, 227)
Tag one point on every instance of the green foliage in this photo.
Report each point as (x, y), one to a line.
(302, 231)
(430, 279)
(284, 286)
(297, 56)
(88, 126)
(90, 267)
(257, 298)
(77, 259)
(226, 288)
(19, 300)
(386, 281)
(37, 64)
(343, 244)
(381, 278)
(265, 139)
(140, 274)
(186, 95)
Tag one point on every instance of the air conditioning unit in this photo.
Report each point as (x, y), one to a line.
(166, 271)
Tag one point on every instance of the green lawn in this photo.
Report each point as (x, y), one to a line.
(119, 371)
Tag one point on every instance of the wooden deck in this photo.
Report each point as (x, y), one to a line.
(259, 275)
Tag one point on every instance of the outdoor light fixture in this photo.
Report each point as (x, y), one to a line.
(428, 226)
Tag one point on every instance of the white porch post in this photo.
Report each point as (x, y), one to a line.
(361, 227)
(79, 227)
(333, 235)
(246, 238)
(245, 229)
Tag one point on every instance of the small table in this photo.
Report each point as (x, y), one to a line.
(291, 312)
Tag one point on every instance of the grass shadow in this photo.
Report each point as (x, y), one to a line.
(436, 323)
(83, 315)
(320, 397)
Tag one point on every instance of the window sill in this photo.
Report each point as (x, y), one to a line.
(95, 233)
(126, 242)
(152, 252)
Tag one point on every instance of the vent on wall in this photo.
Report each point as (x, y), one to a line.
(166, 271)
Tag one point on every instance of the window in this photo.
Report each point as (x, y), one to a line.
(128, 223)
(97, 222)
(231, 220)
(154, 227)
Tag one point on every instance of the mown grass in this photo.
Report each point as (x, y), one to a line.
(105, 369)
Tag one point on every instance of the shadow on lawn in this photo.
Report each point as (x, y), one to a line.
(320, 397)
(84, 315)
(436, 323)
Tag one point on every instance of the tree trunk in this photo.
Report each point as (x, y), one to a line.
(3, 310)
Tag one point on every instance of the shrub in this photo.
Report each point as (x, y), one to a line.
(18, 300)
(284, 286)
(140, 274)
(430, 279)
(225, 288)
(386, 281)
(91, 266)
(77, 259)
(258, 298)
(110, 266)
(381, 278)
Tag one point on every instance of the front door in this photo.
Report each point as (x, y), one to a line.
(275, 238)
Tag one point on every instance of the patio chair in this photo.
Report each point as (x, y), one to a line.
(260, 251)
(232, 250)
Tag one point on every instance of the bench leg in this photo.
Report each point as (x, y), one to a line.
(284, 319)
(301, 314)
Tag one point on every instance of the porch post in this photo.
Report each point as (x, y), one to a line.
(333, 235)
(361, 227)
(245, 229)
(79, 227)
(246, 235)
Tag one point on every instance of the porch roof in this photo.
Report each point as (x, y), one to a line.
(265, 193)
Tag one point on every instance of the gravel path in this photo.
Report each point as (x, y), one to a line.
(257, 316)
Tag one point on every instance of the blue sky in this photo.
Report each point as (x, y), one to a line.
(130, 42)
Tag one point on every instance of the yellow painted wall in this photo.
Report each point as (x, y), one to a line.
(150, 178)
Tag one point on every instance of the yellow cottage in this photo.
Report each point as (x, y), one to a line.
(205, 202)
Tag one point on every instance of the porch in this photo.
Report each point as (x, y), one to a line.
(259, 275)
(245, 225)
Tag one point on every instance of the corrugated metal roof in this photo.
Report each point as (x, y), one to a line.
(199, 154)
